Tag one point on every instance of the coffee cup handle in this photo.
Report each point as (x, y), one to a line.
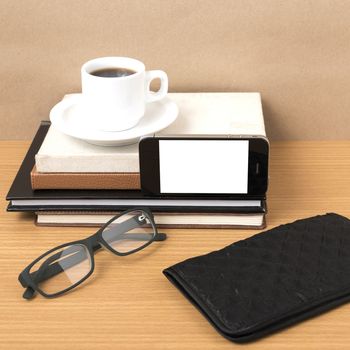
(152, 96)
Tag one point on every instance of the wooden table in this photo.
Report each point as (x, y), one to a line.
(128, 303)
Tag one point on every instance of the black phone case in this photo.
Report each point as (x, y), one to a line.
(271, 280)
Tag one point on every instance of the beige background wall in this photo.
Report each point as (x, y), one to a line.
(296, 53)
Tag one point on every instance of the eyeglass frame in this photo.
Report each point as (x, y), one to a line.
(92, 244)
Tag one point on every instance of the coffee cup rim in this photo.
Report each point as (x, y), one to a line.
(112, 61)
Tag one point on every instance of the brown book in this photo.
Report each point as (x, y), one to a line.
(84, 181)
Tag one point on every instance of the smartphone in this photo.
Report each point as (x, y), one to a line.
(227, 166)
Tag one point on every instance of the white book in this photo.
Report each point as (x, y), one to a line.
(199, 114)
(187, 220)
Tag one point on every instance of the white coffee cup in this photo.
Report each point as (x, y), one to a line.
(118, 103)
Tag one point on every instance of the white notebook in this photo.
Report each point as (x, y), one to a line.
(199, 113)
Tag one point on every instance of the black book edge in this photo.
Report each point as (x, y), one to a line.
(21, 179)
(184, 209)
(21, 189)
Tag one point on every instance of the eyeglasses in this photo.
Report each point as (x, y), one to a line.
(68, 265)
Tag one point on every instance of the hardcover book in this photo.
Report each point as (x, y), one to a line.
(199, 114)
(162, 219)
(23, 198)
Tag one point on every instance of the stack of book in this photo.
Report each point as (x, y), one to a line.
(67, 181)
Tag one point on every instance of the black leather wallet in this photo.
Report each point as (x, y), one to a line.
(271, 280)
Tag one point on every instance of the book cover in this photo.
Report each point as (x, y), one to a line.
(60, 153)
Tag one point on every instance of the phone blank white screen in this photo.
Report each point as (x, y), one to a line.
(203, 166)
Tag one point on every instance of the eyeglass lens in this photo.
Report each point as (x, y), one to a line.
(129, 232)
(61, 269)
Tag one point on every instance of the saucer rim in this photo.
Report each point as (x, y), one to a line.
(59, 109)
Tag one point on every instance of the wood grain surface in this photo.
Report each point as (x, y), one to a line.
(128, 303)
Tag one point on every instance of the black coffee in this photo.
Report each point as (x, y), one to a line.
(112, 72)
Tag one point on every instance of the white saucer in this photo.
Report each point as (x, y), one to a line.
(66, 118)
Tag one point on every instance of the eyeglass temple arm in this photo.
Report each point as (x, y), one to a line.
(56, 268)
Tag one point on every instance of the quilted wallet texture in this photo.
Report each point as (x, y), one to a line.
(271, 280)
